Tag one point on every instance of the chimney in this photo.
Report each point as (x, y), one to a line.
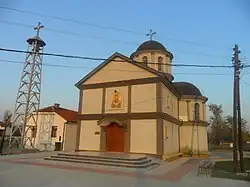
(56, 105)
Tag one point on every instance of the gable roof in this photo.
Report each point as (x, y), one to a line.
(125, 59)
(67, 114)
(131, 61)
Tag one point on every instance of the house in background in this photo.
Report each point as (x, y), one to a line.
(50, 128)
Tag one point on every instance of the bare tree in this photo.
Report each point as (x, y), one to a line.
(217, 123)
(6, 122)
(245, 132)
(229, 123)
(221, 127)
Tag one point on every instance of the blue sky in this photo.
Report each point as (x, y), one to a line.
(195, 32)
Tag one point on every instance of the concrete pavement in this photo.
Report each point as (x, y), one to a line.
(20, 170)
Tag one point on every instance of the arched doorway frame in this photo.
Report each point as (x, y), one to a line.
(122, 123)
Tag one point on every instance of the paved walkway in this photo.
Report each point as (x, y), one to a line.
(32, 170)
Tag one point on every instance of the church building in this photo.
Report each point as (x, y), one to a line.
(132, 104)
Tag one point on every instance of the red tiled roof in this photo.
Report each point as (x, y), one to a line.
(67, 114)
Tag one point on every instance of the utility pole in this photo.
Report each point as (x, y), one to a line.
(234, 127)
(237, 70)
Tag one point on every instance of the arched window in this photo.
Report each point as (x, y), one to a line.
(145, 60)
(160, 64)
(196, 112)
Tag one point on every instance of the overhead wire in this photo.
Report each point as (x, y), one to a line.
(103, 59)
(98, 25)
(214, 56)
(245, 82)
(70, 33)
(118, 70)
(72, 21)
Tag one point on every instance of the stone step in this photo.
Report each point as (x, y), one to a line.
(108, 156)
(96, 162)
(103, 159)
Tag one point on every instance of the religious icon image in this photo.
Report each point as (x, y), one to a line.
(116, 100)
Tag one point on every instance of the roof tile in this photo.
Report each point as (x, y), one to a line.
(67, 114)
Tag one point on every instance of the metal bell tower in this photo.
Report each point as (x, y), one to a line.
(28, 96)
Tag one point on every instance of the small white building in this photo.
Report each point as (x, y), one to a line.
(50, 127)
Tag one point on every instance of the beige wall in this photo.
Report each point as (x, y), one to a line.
(169, 102)
(69, 139)
(116, 71)
(92, 101)
(55, 120)
(143, 98)
(108, 99)
(188, 105)
(199, 141)
(153, 57)
(143, 136)
(88, 139)
(171, 138)
(183, 111)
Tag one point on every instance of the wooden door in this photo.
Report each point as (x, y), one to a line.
(114, 138)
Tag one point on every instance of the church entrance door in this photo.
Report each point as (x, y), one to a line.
(114, 138)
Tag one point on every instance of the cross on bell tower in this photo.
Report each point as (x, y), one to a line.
(151, 34)
(37, 28)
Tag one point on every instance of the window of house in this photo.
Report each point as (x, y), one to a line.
(160, 64)
(54, 132)
(33, 132)
(196, 111)
(145, 60)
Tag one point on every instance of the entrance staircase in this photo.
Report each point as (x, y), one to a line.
(107, 159)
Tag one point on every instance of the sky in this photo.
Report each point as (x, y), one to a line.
(196, 32)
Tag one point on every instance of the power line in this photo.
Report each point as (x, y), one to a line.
(97, 25)
(119, 70)
(214, 56)
(70, 33)
(103, 59)
(245, 82)
(73, 21)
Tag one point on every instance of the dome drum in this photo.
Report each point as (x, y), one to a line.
(150, 46)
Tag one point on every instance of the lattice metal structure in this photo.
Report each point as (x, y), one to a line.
(28, 96)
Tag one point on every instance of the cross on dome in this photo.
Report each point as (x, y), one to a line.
(151, 34)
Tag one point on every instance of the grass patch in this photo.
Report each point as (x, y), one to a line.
(225, 175)
(225, 169)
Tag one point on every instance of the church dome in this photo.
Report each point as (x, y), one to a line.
(186, 88)
(151, 45)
